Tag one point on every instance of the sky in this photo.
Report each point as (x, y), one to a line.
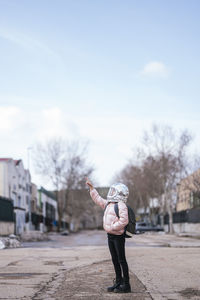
(100, 70)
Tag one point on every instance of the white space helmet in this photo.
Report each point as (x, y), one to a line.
(118, 192)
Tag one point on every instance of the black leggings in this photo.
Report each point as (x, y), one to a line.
(116, 245)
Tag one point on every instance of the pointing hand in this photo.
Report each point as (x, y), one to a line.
(89, 184)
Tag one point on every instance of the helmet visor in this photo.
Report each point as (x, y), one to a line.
(112, 192)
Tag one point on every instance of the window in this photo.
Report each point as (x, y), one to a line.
(196, 199)
(19, 201)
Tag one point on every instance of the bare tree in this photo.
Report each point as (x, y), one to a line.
(143, 181)
(77, 169)
(158, 166)
(169, 150)
(131, 175)
(65, 165)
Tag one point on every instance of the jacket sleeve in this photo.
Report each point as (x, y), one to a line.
(97, 199)
(123, 218)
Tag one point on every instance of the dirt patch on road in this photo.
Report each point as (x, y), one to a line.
(13, 276)
(91, 282)
(53, 263)
(190, 293)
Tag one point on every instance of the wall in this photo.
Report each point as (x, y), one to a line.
(185, 228)
(7, 228)
(20, 221)
(1, 179)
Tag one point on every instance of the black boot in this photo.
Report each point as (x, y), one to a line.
(116, 284)
(123, 288)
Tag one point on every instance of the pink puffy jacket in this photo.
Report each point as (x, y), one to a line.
(111, 223)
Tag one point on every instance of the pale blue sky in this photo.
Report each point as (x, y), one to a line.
(101, 70)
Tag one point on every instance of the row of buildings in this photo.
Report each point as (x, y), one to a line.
(33, 208)
(24, 206)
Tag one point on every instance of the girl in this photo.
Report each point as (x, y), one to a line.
(114, 226)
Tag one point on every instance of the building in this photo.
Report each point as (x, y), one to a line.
(47, 204)
(8, 179)
(34, 199)
(7, 225)
(15, 184)
(188, 192)
(186, 218)
(150, 214)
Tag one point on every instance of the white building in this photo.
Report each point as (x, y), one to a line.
(8, 179)
(48, 204)
(15, 184)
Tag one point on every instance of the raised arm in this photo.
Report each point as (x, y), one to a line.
(95, 195)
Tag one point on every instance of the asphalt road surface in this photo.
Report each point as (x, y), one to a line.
(78, 266)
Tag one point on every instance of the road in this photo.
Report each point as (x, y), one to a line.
(78, 266)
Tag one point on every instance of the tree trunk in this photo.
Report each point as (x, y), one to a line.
(59, 222)
(162, 220)
(60, 212)
(171, 227)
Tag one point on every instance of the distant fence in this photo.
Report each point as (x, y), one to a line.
(185, 216)
(6, 210)
(49, 222)
(36, 219)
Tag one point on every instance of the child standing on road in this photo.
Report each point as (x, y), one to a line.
(114, 226)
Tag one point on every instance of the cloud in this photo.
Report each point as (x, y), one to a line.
(9, 117)
(55, 123)
(52, 123)
(155, 69)
(27, 42)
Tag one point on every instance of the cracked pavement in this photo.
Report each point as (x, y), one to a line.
(78, 266)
